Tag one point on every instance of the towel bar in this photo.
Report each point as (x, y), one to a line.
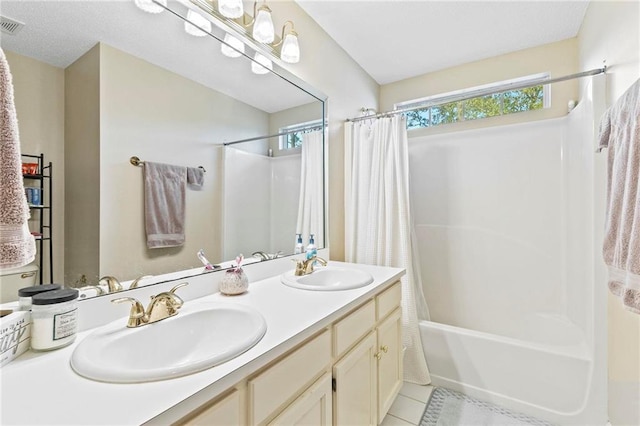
(138, 162)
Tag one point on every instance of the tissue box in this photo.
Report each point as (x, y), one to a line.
(15, 334)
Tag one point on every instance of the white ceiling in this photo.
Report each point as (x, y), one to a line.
(59, 32)
(397, 39)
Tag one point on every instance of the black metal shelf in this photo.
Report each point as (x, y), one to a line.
(43, 213)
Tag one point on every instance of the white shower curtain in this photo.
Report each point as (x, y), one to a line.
(378, 228)
(311, 204)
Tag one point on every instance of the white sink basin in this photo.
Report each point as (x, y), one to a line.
(200, 336)
(328, 278)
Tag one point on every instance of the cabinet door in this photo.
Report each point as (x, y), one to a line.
(312, 408)
(389, 352)
(226, 412)
(354, 399)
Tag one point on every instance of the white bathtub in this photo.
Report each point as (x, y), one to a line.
(547, 380)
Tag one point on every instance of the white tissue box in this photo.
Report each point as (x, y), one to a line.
(15, 334)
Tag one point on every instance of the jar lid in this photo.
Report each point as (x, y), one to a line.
(37, 289)
(55, 296)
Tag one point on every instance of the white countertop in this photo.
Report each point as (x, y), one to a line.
(41, 388)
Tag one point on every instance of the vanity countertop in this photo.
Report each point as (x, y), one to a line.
(41, 388)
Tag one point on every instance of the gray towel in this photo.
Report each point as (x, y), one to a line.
(164, 204)
(620, 131)
(195, 176)
(17, 245)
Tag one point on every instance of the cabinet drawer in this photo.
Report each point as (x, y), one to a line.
(350, 329)
(284, 380)
(388, 300)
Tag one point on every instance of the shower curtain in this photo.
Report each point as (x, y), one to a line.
(378, 228)
(311, 203)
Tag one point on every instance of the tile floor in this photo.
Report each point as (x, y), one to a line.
(408, 407)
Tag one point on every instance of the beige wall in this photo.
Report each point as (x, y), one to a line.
(611, 32)
(288, 117)
(39, 98)
(82, 174)
(326, 66)
(558, 59)
(160, 116)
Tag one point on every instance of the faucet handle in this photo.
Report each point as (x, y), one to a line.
(177, 299)
(112, 283)
(137, 313)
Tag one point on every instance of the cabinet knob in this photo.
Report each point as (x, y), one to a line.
(384, 348)
(378, 355)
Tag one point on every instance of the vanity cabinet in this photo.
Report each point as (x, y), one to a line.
(369, 377)
(349, 373)
(313, 407)
(224, 411)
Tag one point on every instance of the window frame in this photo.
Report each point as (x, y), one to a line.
(463, 95)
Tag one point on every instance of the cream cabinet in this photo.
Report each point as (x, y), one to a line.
(349, 373)
(369, 377)
(313, 407)
(356, 379)
(389, 356)
(225, 411)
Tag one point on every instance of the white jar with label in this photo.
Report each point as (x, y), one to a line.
(55, 319)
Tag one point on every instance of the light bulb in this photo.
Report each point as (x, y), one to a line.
(263, 27)
(198, 25)
(261, 64)
(150, 7)
(231, 8)
(290, 49)
(235, 47)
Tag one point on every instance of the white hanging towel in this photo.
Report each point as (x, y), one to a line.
(620, 132)
(17, 245)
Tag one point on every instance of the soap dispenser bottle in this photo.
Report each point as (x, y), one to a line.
(299, 246)
(311, 248)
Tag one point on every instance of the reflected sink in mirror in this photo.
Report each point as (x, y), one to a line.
(328, 278)
(200, 336)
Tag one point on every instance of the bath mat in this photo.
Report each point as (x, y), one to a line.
(449, 408)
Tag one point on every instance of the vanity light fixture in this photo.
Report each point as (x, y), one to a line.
(263, 30)
(290, 50)
(150, 6)
(231, 9)
(233, 48)
(261, 64)
(198, 26)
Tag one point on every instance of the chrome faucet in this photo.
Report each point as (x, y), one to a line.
(164, 305)
(305, 267)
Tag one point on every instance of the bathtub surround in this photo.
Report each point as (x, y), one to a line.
(164, 204)
(511, 290)
(378, 218)
(311, 203)
(620, 133)
(17, 245)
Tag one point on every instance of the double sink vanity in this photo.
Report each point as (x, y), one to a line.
(285, 352)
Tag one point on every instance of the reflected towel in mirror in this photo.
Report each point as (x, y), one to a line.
(195, 176)
(164, 204)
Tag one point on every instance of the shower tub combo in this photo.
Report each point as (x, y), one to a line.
(507, 225)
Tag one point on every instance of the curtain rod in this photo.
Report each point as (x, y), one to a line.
(288, 132)
(482, 92)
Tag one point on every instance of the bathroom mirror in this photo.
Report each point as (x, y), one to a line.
(129, 83)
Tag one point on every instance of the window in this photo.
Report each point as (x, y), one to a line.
(293, 137)
(490, 102)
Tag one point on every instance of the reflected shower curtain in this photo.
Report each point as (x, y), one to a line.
(378, 228)
(311, 204)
